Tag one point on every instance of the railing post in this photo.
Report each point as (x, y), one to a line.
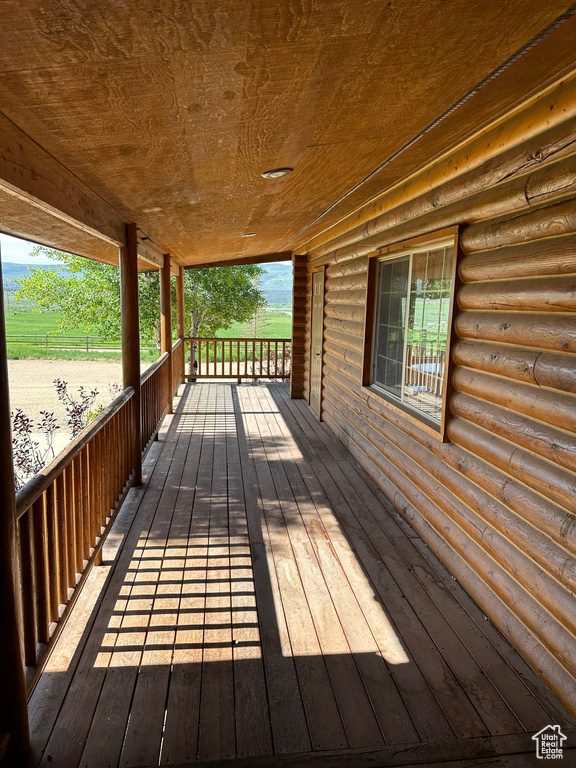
(166, 322)
(13, 704)
(131, 341)
(298, 326)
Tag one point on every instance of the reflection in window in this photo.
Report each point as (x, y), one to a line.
(411, 328)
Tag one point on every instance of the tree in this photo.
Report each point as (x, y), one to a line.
(88, 295)
(216, 297)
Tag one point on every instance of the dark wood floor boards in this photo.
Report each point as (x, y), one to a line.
(496, 712)
(427, 716)
(322, 712)
(289, 734)
(253, 726)
(180, 739)
(322, 572)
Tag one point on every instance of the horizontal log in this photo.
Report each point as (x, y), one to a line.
(354, 343)
(410, 205)
(340, 367)
(356, 282)
(547, 442)
(557, 371)
(551, 632)
(550, 221)
(553, 482)
(513, 146)
(555, 294)
(348, 267)
(556, 179)
(350, 327)
(513, 362)
(470, 507)
(555, 408)
(554, 256)
(350, 297)
(345, 312)
(552, 332)
(492, 474)
(348, 355)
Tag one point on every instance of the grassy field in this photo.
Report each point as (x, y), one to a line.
(41, 323)
(274, 323)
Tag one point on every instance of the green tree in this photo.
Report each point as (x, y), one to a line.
(216, 297)
(88, 294)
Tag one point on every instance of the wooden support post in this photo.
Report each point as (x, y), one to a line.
(13, 705)
(166, 322)
(131, 341)
(298, 326)
(180, 303)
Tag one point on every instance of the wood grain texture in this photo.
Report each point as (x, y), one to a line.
(192, 105)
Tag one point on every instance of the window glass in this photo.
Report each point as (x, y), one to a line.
(411, 328)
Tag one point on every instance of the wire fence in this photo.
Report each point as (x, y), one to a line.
(51, 341)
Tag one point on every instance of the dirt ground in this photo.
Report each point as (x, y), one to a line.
(32, 388)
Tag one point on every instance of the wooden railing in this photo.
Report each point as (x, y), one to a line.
(155, 399)
(425, 368)
(64, 514)
(178, 363)
(238, 358)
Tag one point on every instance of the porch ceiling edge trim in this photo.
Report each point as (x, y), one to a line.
(43, 186)
(263, 258)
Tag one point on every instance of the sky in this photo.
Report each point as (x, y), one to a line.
(17, 251)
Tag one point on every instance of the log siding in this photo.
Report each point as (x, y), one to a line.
(497, 501)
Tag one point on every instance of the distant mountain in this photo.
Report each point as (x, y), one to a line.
(13, 273)
(276, 284)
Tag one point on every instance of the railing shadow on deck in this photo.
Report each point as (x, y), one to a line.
(225, 556)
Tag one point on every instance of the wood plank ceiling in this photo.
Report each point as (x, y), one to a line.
(171, 109)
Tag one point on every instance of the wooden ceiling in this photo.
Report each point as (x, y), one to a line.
(171, 109)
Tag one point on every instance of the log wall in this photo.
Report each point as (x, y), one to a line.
(497, 501)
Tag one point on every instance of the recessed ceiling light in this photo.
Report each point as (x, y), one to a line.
(277, 172)
(249, 234)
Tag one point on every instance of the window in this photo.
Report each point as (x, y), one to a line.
(407, 352)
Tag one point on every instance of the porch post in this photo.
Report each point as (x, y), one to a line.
(180, 303)
(13, 703)
(131, 340)
(300, 267)
(166, 322)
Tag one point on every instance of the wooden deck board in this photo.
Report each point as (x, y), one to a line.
(266, 604)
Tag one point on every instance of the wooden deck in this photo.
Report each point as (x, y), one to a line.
(260, 601)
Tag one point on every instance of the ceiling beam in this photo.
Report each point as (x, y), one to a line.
(149, 252)
(32, 179)
(263, 258)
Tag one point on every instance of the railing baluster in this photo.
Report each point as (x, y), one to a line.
(26, 536)
(62, 540)
(53, 587)
(41, 571)
(79, 514)
(70, 525)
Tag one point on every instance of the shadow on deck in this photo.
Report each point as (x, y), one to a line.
(261, 602)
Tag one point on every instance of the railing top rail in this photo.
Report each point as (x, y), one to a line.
(154, 367)
(215, 338)
(177, 343)
(35, 487)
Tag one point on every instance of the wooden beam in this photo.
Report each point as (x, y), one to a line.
(180, 320)
(131, 340)
(263, 258)
(166, 320)
(13, 705)
(30, 178)
(149, 252)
